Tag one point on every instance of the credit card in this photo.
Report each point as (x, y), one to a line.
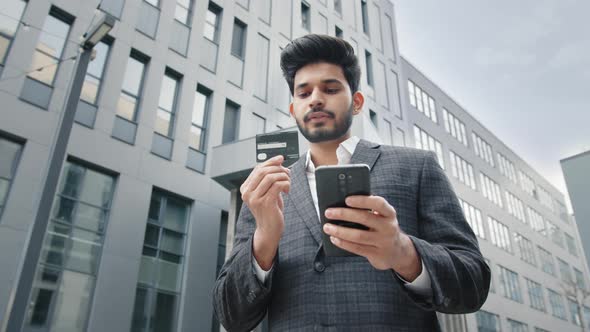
(274, 144)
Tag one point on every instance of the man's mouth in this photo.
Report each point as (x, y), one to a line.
(318, 115)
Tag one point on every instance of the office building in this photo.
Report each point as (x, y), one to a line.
(145, 207)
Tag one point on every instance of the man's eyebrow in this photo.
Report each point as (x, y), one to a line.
(331, 80)
(326, 81)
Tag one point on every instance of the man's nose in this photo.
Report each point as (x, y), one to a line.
(317, 99)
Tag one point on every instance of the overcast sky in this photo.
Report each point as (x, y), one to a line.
(522, 68)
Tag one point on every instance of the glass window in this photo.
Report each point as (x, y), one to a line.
(365, 16)
(160, 276)
(68, 264)
(132, 84)
(426, 142)
(575, 312)
(338, 32)
(454, 126)
(167, 105)
(516, 326)
(564, 271)
(93, 78)
(422, 101)
(536, 221)
(556, 302)
(9, 157)
(238, 44)
(499, 234)
(547, 264)
(571, 244)
(473, 217)
(515, 206)
(369, 59)
(487, 321)
(536, 298)
(490, 189)
(199, 119)
(483, 149)
(509, 284)
(212, 23)
(526, 249)
(12, 10)
(230, 122)
(305, 19)
(50, 46)
(462, 170)
(183, 11)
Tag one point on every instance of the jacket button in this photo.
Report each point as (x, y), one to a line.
(319, 267)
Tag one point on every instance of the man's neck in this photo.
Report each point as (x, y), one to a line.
(324, 153)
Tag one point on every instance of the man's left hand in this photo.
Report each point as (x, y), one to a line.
(384, 244)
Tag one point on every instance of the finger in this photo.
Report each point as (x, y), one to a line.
(276, 188)
(276, 160)
(259, 173)
(375, 203)
(268, 181)
(355, 248)
(352, 235)
(363, 217)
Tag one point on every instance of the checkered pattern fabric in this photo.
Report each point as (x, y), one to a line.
(308, 291)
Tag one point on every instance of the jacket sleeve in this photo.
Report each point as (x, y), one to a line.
(460, 277)
(240, 300)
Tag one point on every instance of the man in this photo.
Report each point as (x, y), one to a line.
(418, 256)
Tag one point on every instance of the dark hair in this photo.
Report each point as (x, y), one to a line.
(314, 48)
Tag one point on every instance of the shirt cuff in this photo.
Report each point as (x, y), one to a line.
(260, 273)
(421, 285)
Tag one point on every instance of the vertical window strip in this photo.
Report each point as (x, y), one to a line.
(422, 101)
(547, 264)
(473, 217)
(426, 142)
(535, 291)
(462, 170)
(483, 149)
(500, 235)
(557, 305)
(510, 284)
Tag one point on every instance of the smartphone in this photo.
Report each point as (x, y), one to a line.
(334, 183)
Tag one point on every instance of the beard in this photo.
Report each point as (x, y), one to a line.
(320, 132)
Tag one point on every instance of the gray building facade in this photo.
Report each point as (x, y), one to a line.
(532, 245)
(164, 136)
(575, 171)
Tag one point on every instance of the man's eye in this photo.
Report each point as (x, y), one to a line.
(303, 94)
(332, 90)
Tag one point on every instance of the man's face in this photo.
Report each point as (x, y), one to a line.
(323, 105)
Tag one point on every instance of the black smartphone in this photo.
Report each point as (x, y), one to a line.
(334, 183)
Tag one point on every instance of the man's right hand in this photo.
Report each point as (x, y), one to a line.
(262, 193)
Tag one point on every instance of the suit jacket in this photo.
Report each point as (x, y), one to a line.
(309, 291)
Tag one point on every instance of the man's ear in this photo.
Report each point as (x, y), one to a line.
(291, 111)
(358, 100)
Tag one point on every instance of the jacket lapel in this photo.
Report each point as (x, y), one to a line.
(365, 153)
(300, 196)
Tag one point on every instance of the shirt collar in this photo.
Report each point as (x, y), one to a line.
(344, 153)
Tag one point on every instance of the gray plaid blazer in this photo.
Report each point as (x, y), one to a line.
(309, 291)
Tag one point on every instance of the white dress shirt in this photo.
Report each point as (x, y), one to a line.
(421, 285)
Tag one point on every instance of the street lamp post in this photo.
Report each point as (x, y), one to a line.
(19, 301)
